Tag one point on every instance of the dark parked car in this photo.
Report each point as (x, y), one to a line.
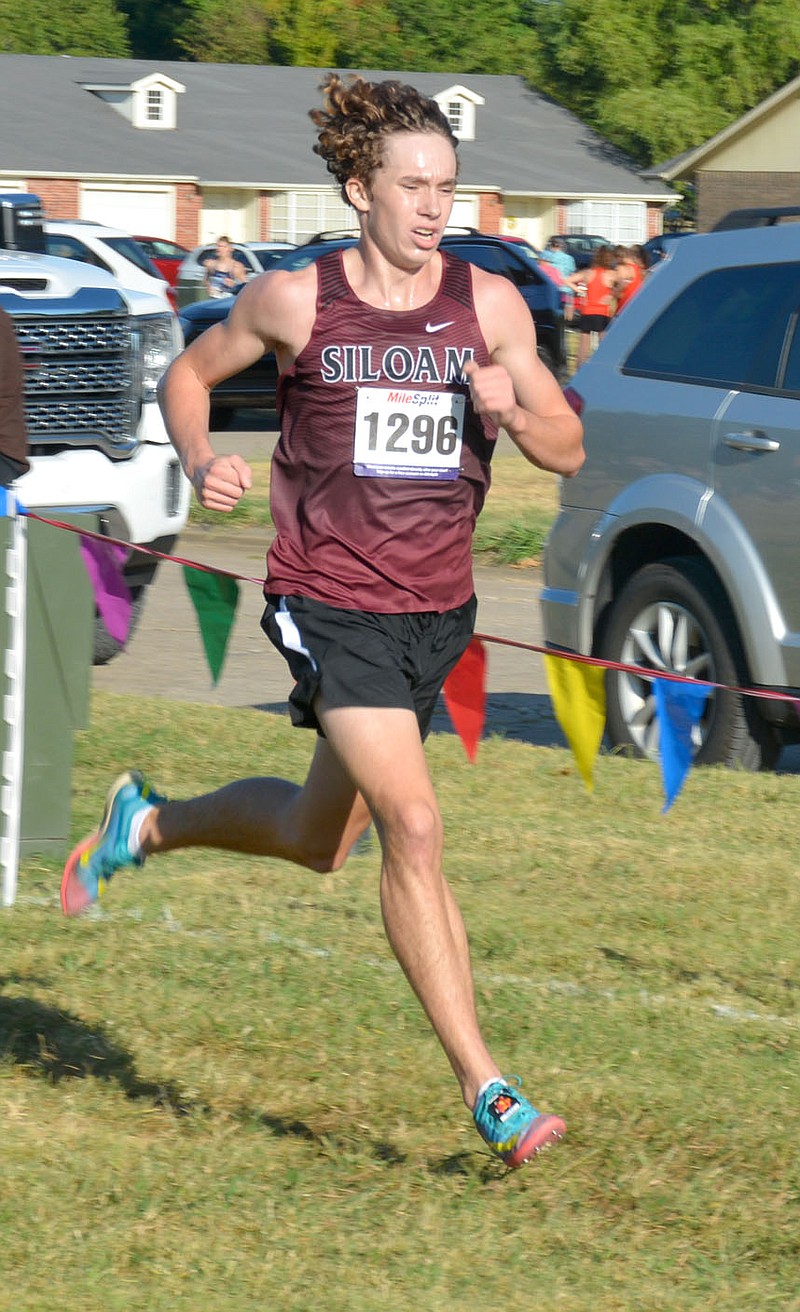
(256, 387)
(657, 247)
(582, 246)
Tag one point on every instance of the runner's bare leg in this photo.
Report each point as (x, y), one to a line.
(372, 761)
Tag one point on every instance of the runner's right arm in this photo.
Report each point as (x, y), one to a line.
(251, 329)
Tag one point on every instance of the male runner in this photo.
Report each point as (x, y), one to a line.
(398, 364)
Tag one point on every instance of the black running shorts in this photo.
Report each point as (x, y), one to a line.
(593, 323)
(360, 658)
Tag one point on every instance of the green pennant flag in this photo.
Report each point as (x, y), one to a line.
(215, 598)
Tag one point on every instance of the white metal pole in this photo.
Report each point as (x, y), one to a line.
(14, 699)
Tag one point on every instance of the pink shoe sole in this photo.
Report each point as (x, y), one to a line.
(74, 897)
(545, 1131)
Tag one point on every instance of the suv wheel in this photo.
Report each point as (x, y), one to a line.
(106, 647)
(674, 617)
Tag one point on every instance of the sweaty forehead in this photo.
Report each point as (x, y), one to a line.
(419, 154)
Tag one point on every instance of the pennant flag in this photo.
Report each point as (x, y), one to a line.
(215, 598)
(679, 707)
(465, 696)
(578, 695)
(104, 561)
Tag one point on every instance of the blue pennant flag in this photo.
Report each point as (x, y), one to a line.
(679, 707)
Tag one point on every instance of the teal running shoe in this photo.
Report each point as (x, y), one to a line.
(512, 1128)
(95, 861)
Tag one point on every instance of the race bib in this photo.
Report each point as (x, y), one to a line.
(407, 434)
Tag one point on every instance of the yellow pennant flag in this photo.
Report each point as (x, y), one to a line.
(579, 700)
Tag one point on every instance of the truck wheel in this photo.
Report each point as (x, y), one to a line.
(674, 617)
(106, 647)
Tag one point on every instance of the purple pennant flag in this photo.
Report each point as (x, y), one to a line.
(679, 707)
(103, 561)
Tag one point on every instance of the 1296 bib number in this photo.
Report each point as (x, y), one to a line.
(408, 434)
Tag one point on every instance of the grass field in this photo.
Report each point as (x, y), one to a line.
(218, 1093)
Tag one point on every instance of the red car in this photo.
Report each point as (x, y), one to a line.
(167, 256)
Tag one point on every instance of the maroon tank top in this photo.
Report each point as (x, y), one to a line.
(382, 465)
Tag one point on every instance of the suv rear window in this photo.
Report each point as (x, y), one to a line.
(502, 259)
(730, 328)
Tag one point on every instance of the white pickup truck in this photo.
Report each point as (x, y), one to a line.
(93, 354)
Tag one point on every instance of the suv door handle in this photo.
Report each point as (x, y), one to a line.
(751, 441)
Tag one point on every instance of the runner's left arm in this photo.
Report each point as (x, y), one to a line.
(517, 390)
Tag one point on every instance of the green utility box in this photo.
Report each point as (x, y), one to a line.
(58, 662)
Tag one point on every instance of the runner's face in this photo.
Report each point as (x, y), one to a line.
(408, 202)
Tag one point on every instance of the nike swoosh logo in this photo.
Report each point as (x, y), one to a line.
(437, 327)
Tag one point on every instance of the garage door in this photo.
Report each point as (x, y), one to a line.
(233, 214)
(465, 212)
(147, 211)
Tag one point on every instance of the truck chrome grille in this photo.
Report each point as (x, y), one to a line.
(81, 336)
(86, 376)
(80, 381)
(69, 423)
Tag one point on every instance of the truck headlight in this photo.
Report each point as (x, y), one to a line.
(161, 340)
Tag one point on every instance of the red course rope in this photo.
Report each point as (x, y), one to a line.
(644, 673)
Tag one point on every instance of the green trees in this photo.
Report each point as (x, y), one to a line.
(652, 76)
(83, 27)
(658, 76)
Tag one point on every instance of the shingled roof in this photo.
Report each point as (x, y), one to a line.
(248, 124)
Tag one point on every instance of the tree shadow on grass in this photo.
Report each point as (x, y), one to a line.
(55, 1045)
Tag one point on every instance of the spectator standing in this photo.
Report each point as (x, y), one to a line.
(556, 254)
(597, 299)
(629, 276)
(224, 273)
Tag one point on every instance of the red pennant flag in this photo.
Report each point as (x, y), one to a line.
(465, 696)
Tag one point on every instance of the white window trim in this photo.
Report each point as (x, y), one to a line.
(468, 100)
(621, 221)
(169, 101)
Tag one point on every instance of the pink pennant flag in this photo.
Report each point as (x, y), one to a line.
(465, 696)
(103, 561)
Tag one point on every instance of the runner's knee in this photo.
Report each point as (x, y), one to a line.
(412, 829)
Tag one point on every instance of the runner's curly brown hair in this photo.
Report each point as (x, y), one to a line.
(358, 117)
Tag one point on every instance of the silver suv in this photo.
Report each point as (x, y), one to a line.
(677, 546)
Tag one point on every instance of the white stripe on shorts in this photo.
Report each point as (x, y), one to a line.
(291, 634)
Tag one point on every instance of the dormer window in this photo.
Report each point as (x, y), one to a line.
(455, 115)
(459, 104)
(149, 103)
(155, 105)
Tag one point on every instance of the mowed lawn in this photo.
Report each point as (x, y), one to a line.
(217, 1091)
